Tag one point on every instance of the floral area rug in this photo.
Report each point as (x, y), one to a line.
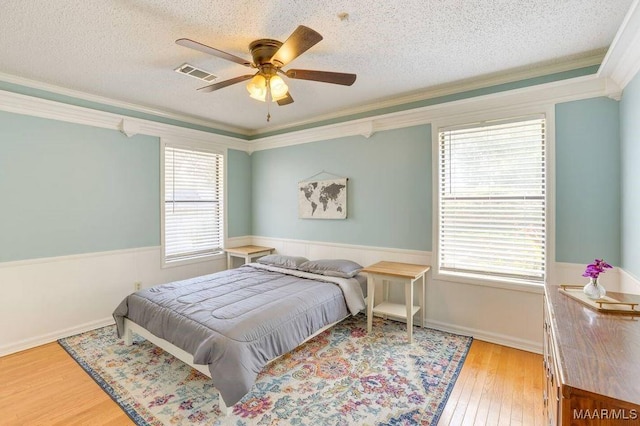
(344, 376)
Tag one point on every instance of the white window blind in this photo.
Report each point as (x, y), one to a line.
(492, 200)
(193, 208)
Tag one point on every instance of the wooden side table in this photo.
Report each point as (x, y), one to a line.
(247, 253)
(404, 273)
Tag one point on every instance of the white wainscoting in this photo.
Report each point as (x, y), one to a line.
(496, 314)
(511, 317)
(629, 283)
(47, 299)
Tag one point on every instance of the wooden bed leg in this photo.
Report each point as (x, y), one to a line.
(224, 410)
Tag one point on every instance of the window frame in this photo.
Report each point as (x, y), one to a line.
(198, 146)
(501, 114)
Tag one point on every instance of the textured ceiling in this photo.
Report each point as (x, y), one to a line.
(125, 49)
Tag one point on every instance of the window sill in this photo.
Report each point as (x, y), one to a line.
(190, 261)
(506, 284)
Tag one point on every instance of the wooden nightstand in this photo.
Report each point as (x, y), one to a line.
(403, 273)
(247, 253)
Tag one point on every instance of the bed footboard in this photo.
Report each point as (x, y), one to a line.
(131, 327)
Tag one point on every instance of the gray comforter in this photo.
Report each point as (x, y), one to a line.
(236, 321)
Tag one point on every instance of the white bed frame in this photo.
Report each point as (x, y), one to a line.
(131, 327)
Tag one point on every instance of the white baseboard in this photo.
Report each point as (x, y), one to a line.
(499, 339)
(54, 336)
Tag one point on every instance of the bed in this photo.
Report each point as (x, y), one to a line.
(230, 324)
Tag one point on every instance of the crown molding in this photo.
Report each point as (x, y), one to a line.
(545, 94)
(38, 107)
(495, 79)
(622, 61)
(593, 58)
(9, 78)
(548, 93)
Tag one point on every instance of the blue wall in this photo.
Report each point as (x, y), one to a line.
(238, 193)
(588, 181)
(68, 189)
(389, 189)
(630, 136)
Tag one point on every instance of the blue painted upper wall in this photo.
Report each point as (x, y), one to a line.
(102, 190)
(69, 189)
(79, 189)
(238, 193)
(389, 189)
(588, 181)
(630, 137)
(390, 186)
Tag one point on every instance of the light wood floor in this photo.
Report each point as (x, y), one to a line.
(497, 386)
(45, 386)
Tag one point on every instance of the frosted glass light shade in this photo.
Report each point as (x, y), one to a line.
(257, 88)
(279, 88)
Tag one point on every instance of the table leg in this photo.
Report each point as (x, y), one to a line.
(408, 294)
(424, 300)
(371, 289)
(229, 264)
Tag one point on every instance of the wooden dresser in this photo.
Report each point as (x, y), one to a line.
(591, 363)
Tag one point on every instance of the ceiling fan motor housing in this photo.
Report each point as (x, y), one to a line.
(263, 50)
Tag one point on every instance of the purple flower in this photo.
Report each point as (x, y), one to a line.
(596, 268)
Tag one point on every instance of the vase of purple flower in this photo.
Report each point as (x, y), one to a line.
(593, 289)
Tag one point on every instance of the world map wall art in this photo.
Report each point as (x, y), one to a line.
(322, 199)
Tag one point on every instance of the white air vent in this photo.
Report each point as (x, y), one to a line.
(195, 72)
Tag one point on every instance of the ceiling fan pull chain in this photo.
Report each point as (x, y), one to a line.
(268, 112)
(268, 98)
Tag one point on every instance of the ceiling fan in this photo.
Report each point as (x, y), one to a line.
(269, 56)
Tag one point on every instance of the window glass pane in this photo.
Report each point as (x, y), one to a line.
(492, 200)
(193, 208)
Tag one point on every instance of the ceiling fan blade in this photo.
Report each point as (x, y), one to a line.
(286, 101)
(301, 40)
(324, 76)
(212, 51)
(222, 84)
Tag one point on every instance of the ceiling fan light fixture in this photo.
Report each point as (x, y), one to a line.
(269, 56)
(257, 88)
(278, 87)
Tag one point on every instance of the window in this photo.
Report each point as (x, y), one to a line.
(492, 200)
(193, 203)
